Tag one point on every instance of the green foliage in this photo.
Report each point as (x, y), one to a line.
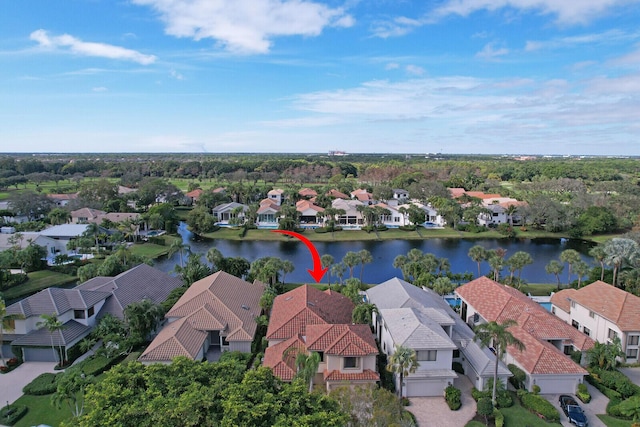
(452, 395)
(536, 389)
(518, 376)
(540, 405)
(457, 367)
(616, 380)
(485, 408)
(42, 384)
(11, 414)
(583, 393)
(498, 417)
(369, 405)
(95, 365)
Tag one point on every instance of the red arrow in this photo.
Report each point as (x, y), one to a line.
(317, 271)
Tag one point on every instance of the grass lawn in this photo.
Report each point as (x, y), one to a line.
(39, 280)
(614, 422)
(151, 250)
(539, 289)
(41, 411)
(474, 424)
(516, 415)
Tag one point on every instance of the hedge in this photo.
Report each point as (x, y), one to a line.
(583, 393)
(540, 406)
(42, 384)
(95, 365)
(452, 395)
(518, 378)
(498, 417)
(11, 414)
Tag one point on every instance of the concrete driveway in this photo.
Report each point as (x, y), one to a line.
(429, 409)
(11, 384)
(597, 405)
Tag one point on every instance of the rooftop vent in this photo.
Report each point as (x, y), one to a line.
(246, 307)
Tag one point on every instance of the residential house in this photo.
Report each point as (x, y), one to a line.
(309, 213)
(268, 213)
(5, 206)
(62, 200)
(225, 213)
(216, 314)
(602, 312)
(335, 194)
(420, 319)
(362, 195)
(308, 193)
(96, 216)
(549, 341)
(394, 218)
(400, 194)
(276, 195)
(194, 195)
(58, 238)
(352, 218)
(79, 309)
(431, 216)
(309, 320)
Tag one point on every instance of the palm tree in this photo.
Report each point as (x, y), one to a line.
(143, 317)
(571, 257)
(511, 211)
(215, 257)
(497, 335)
(327, 261)
(286, 267)
(93, 230)
(517, 262)
(403, 362)
(497, 264)
(581, 269)
(365, 258)
(338, 270)
(554, 267)
(351, 259)
(598, 254)
(178, 246)
(307, 365)
(478, 254)
(53, 325)
(400, 262)
(619, 251)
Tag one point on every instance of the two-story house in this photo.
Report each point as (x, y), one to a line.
(306, 319)
(548, 340)
(226, 213)
(420, 319)
(602, 312)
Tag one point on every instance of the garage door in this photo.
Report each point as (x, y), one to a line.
(39, 354)
(557, 386)
(421, 388)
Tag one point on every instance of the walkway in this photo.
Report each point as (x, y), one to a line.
(428, 409)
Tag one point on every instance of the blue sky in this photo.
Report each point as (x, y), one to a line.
(374, 76)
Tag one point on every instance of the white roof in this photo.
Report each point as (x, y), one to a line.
(411, 328)
(65, 230)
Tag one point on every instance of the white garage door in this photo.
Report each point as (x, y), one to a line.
(38, 354)
(421, 388)
(557, 385)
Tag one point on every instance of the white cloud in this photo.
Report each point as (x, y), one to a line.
(607, 37)
(176, 75)
(490, 51)
(90, 48)
(246, 26)
(630, 59)
(396, 27)
(392, 66)
(566, 11)
(414, 70)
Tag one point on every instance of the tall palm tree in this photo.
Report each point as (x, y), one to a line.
(598, 254)
(571, 257)
(619, 251)
(327, 261)
(93, 230)
(478, 254)
(286, 267)
(338, 270)
(400, 262)
(351, 259)
(365, 258)
(53, 325)
(511, 211)
(178, 246)
(403, 361)
(307, 365)
(497, 335)
(554, 267)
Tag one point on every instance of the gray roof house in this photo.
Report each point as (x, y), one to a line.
(421, 319)
(79, 309)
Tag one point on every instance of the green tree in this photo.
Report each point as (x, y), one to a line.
(618, 252)
(200, 220)
(59, 216)
(400, 261)
(485, 408)
(338, 270)
(554, 267)
(70, 390)
(606, 356)
(581, 269)
(193, 271)
(363, 313)
(178, 246)
(403, 362)
(630, 408)
(327, 261)
(286, 268)
(599, 255)
(498, 336)
(307, 367)
(517, 262)
(443, 286)
(351, 259)
(86, 272)
(496, 262)
(571, 257)
(55, 327)
(142, 318)
(369, 405)
(365, 258)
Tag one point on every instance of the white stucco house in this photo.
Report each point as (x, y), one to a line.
(602, 312)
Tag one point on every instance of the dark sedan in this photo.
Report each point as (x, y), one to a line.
(573, 411)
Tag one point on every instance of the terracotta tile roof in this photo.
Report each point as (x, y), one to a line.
(304, 305)
(195, 194)
(620, 307)
(337, 194)
(281, 357)
(303, 205)
(179, 338)
(308, 192)
(276, 191)
(365, 375)
(561, 299)
(268, 204)
(496, 302)
(456, 192)
(222, 299)
(71, 196)
(342, 340)
(362, 195)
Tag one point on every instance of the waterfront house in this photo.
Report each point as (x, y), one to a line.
(225, 213)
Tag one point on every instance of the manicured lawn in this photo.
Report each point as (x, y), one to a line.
(474, 424)
(516, 415)
(41, 411)
(614, 422)
(39, 280)
(151, 250)
(539, 289)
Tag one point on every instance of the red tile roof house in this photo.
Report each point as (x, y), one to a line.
(602, 312)
(216, 314)
(548, 339)
(307, 319)
(194, 195)
(80, 308)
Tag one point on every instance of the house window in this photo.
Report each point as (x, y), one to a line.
(568, 349)
(633, 340)
(79, 314)
(587, 331)
(351, 362)
(224, 341)
(612, 334)
(573, 304)
(575, 324)
(91, 311)
(456, 354)
(321, 354)
(592, 314)
(427, 355)
(632, 353)
(396, 219)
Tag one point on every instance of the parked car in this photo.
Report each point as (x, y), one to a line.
(573, 411)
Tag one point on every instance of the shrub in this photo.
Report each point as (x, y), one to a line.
(457, 367)
(405, 401)
(540, 406)
(518, 378)
(619, 382)
(12, 413)
(407, 228)
(536, 389)
(477, 394)
(485, 408)
(42, 384)
(452, 395)
(504, 400)
(498, 417)
(95, 365)
(583, 393)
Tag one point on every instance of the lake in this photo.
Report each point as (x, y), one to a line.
(455, 250)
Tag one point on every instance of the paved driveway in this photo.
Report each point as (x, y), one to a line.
(597, 405)
(11, 384)
(429, 409)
